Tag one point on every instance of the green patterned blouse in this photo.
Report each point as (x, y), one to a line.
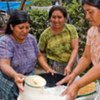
(58, 47)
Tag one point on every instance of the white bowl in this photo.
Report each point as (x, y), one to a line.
(35, 81)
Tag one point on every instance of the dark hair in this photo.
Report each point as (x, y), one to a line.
(17, 17)
(95, 3)
(60, 8)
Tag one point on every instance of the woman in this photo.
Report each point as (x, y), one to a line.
(91, 53)
(18, 55)
(59, 42)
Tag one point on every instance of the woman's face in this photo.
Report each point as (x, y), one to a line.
(92, 14)
(57, 19)
(20, 31)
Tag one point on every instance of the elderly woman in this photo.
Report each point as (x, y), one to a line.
(91, 53)
(59, 42)
(18, 55)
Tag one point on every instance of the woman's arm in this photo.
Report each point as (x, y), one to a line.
(90, 76)
(10, 72)
(43, 62)
(6, 68)
(84, 61)
(82, 65)
(74, 53)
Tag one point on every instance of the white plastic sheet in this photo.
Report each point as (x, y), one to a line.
(50, 94)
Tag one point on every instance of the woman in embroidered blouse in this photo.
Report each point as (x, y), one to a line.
(18, 55)
(91, 53)
(59, 42)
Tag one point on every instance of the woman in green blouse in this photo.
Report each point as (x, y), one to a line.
(59, 42)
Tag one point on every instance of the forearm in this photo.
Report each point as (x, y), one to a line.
(43, 62)
(74, 46)
(8, 70)
(82, 65)
(72, 58)
(90, 76)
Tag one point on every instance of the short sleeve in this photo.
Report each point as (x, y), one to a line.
(36, 46)
(42, 42)
(73, 31)
(88, 38)
(5, 49)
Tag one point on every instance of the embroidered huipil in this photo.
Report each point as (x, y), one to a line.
(58, 47)
(23, 57)
(93, 39)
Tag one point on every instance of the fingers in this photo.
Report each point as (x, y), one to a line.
(67, 71)
(69, 98)
(19, 78)
(51, 71)
(64, 92)
(70, 82)
(21, 88)
(20, 85)
(64, 80)
(69, 95)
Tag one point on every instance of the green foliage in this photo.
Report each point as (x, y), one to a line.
(76, 14)
(40, 2)
(38, 21)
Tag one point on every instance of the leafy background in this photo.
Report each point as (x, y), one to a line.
(39, 19)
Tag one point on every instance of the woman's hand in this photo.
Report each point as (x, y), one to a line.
(67, 70)
(68, 79)
(71, 91)
(51, 71)
(19, 78)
